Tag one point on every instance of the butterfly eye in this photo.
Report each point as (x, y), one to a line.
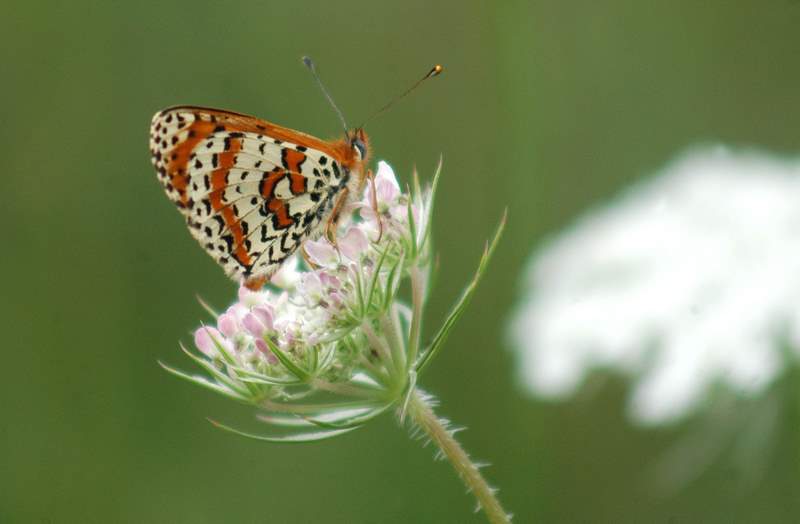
(359, 148)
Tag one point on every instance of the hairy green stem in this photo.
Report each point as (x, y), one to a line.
(422, 415)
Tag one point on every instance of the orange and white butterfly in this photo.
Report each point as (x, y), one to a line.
(251, 191)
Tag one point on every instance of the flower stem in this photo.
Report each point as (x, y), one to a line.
(421, 412)
(417, 299)
(391, 331)
(379, 345)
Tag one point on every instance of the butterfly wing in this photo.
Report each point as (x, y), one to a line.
(251, 191)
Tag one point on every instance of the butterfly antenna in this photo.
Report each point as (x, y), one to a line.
(311, 67)
(435, 71)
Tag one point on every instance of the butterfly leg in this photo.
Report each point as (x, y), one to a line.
(374, 195)
(310, 263)
(330, 227)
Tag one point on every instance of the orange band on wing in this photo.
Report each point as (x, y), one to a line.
(178, 160)
(226, 161)
(292, 160)
(278, 206)
(298, 183)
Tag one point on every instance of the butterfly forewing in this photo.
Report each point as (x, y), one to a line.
(251, 191)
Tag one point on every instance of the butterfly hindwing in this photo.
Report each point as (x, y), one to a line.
(251, 192)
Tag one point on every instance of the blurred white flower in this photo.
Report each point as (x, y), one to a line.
(688, 281)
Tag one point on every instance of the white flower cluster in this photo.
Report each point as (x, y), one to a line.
(336, 327)
(689, 280)
(327, 348)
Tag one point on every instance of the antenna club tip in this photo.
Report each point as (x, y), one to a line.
(436, 70)
(308, 62)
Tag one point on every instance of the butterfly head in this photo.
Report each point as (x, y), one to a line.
(359, 144)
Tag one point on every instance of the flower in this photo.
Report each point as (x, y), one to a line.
(204, 339)
(390, 211)
(304, 331)
(340, 331)
(688, 280)
(337, 327)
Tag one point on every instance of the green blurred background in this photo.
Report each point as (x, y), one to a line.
(544, 107)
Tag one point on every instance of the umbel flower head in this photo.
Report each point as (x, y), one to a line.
(336, 330)
(689, 284)
(324, 349)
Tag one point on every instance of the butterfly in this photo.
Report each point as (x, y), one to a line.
(251, 191)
